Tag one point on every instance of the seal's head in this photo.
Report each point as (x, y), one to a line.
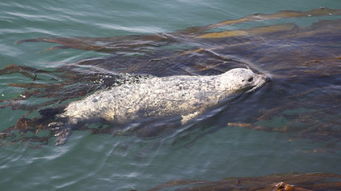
(241, 79)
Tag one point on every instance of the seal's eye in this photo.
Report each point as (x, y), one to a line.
(250, 79)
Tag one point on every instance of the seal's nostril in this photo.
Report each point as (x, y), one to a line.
(267, 79)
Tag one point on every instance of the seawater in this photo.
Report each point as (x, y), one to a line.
(103, 162)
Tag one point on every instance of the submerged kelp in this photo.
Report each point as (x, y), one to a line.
(304, 63)
(280, 182)
(141, 43)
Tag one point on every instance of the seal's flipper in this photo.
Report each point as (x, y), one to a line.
(62, 136)
(61, 131)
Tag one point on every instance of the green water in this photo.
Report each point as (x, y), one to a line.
(104, 162)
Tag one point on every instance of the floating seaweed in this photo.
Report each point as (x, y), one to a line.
(304, 62)
(277, 182)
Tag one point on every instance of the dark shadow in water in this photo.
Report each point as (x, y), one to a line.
(304, 63)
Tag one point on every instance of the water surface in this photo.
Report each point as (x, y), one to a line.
(212, 151)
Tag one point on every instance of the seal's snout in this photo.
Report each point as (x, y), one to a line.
(264, 78)
(267, 79)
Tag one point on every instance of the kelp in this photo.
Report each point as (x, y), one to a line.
(277, 182)
(304, 63)
(137, 42)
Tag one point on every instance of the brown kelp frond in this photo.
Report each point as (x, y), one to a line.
(280, 15)
(139, 43)
(20, 105)
(131, 43)
(68, 42)
(34, 85)
(262, 17)
(27, 71)
(250, 32)
(278, 182)
(177, 183)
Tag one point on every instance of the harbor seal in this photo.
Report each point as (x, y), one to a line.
(187, 96)
(161, 97)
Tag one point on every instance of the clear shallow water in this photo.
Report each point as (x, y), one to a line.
(89, 162)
